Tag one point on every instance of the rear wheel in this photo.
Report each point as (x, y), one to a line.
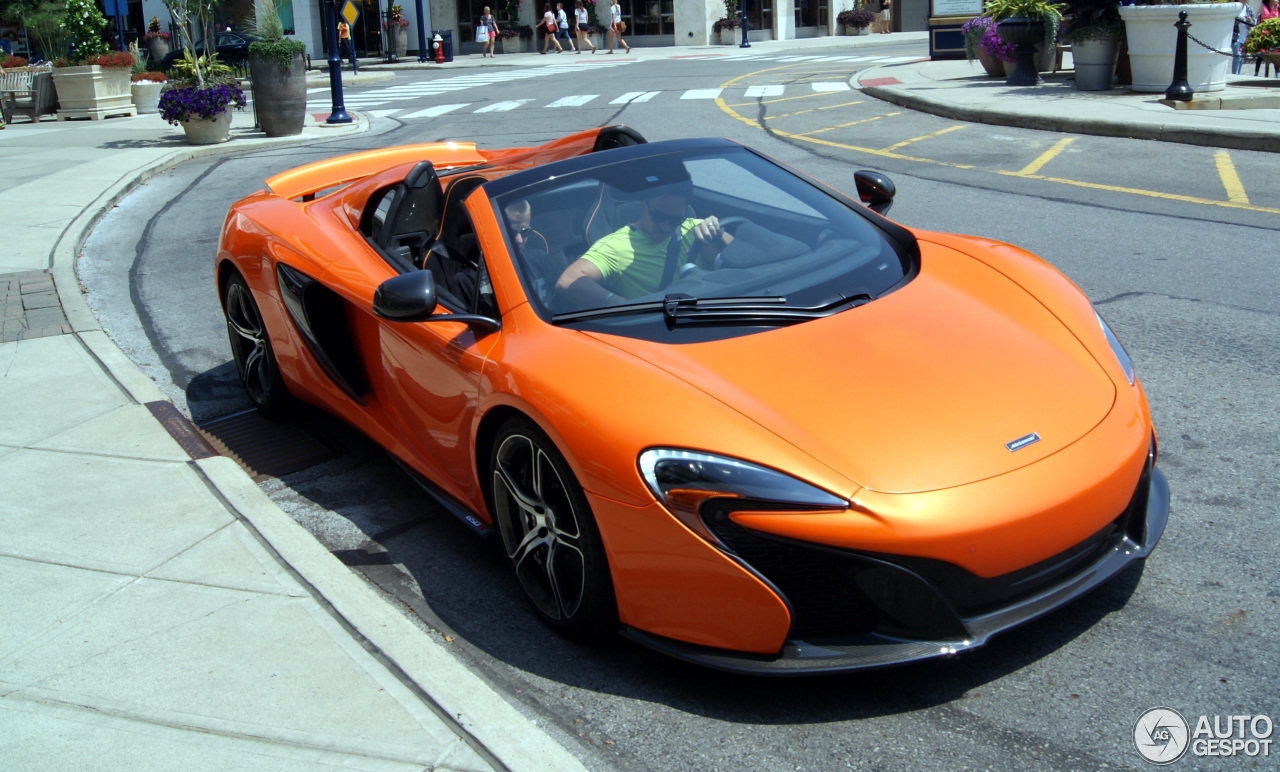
(251, 348)
(549, 532)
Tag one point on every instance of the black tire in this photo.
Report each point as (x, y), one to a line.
(549, 533)
(251, 349)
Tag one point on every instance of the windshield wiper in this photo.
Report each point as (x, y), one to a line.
(679, 308)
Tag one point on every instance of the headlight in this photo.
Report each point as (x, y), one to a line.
(1122, 356)
(683, 480)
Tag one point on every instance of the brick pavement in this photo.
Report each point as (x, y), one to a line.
(29, 307)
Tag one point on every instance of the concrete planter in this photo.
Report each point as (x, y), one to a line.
(511, 45)
(208, 131)
(854, 30)
(93, 92)
(729, 37)
(398, 39)
(1152, 38)
(993, 66)
(1095, 64)
(146, 97)
(279, 95)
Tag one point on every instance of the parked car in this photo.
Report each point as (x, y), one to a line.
(799, 438)
(232, 49)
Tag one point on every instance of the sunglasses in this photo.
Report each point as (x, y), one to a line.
(663, 218)
(522, 232)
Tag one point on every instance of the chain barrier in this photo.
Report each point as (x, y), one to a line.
(1243, 56)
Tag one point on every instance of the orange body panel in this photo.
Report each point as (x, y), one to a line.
(872, 420)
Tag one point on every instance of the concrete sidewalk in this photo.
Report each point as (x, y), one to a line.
(1245, 115)
(159, 611)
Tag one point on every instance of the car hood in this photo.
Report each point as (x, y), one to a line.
(920, 390)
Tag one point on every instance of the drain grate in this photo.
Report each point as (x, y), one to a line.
(267, 448)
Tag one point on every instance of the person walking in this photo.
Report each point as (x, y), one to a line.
(549, 26)
(562, 28)
(617, 26)
(1239, 31)
(886, 11)
(490, 26)
(580, 22)
(344, 46)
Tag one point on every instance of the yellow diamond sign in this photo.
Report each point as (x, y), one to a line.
(350, 12)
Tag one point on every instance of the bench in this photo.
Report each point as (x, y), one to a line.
(28, 91)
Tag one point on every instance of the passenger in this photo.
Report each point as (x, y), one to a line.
(530, 247)
(632, 261)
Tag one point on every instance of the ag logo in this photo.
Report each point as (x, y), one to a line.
(1161, 735)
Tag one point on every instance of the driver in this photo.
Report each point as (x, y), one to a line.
(631, 261)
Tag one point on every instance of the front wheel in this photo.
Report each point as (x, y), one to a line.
(251, 349)
(549, 532)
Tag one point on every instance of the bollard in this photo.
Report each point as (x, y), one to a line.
(743, 13)
(338, 112)
(1180, 89)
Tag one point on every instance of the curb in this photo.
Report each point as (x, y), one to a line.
(486, 722)
(1242, 138)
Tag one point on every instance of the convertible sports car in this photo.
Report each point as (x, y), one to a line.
(798, 438)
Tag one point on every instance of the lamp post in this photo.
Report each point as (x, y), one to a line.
(424, 45)
(339, 110)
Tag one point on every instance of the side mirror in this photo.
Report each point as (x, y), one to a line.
(409, 297)
(875, 190)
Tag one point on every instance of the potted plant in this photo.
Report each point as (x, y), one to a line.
(1264, 42)
(199, 97)
(1152, 37)
(278, 73)
(397, 31)
(146, 91)
(980, 42)
(157, 40)
(855, 22)
(526, 37)
(726, 29)
(1028, 25)
(1094, 34)
(510, 40)
(91, 82)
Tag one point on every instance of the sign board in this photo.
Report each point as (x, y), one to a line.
(350, 12)
(956, 8)
(115, 8)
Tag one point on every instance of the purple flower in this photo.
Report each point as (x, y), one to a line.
(993, 45)
(182, 104)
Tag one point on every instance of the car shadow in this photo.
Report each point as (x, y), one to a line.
(463, 587)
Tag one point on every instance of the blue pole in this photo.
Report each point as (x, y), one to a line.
(339, 110)
(424, 47)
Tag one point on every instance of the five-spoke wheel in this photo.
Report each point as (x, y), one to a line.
(549, 533)
(251, 348)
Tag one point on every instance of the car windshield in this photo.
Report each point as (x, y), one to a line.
(757, 243)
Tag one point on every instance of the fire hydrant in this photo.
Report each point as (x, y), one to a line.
(438, 44)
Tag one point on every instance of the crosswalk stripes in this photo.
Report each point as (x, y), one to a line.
(502, 107)
(432, 112)
(573, 101)
(830, 86)
(635, 97)
(764, 91)
(701, 93)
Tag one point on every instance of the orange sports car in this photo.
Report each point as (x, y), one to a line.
(703, 399)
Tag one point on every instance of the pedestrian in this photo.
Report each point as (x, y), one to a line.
(550, 29)
(1244, 20)
(231, 25)
(345, 48)
(580, 22)
(562, 28)
(886, 10)
(490, 27)
(617, 26)
(1268, 10)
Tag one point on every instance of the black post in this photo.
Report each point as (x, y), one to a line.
(424, 45)
(339, 113)
(742, 13)
(1179, 89)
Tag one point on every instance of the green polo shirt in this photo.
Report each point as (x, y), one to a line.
(632, 262)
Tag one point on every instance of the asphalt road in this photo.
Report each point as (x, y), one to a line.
(1155, 234)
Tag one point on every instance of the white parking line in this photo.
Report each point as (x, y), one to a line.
(502, 107)
(384, 113)
(573, 101)
(635, 96)
(830, 86)
(701, 93)
(432, 112)
(764, 91)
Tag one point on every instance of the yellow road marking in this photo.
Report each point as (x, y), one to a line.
(813, 110)
(850, 123)
(1047, 156)
(906, 142)
(898, 156)
(1230, 180)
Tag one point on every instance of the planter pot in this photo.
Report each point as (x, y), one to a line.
(730, 37)
(1027, 35)
(146, 97)
(398, 39)
(1152, 38)
(510, 45)
(1095, 64)
(993, 66)
(854, 30)
(93, 92)
(279, 95)
(158, 48)
(208, 131)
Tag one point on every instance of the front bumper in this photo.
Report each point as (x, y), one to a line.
(1131, 538)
